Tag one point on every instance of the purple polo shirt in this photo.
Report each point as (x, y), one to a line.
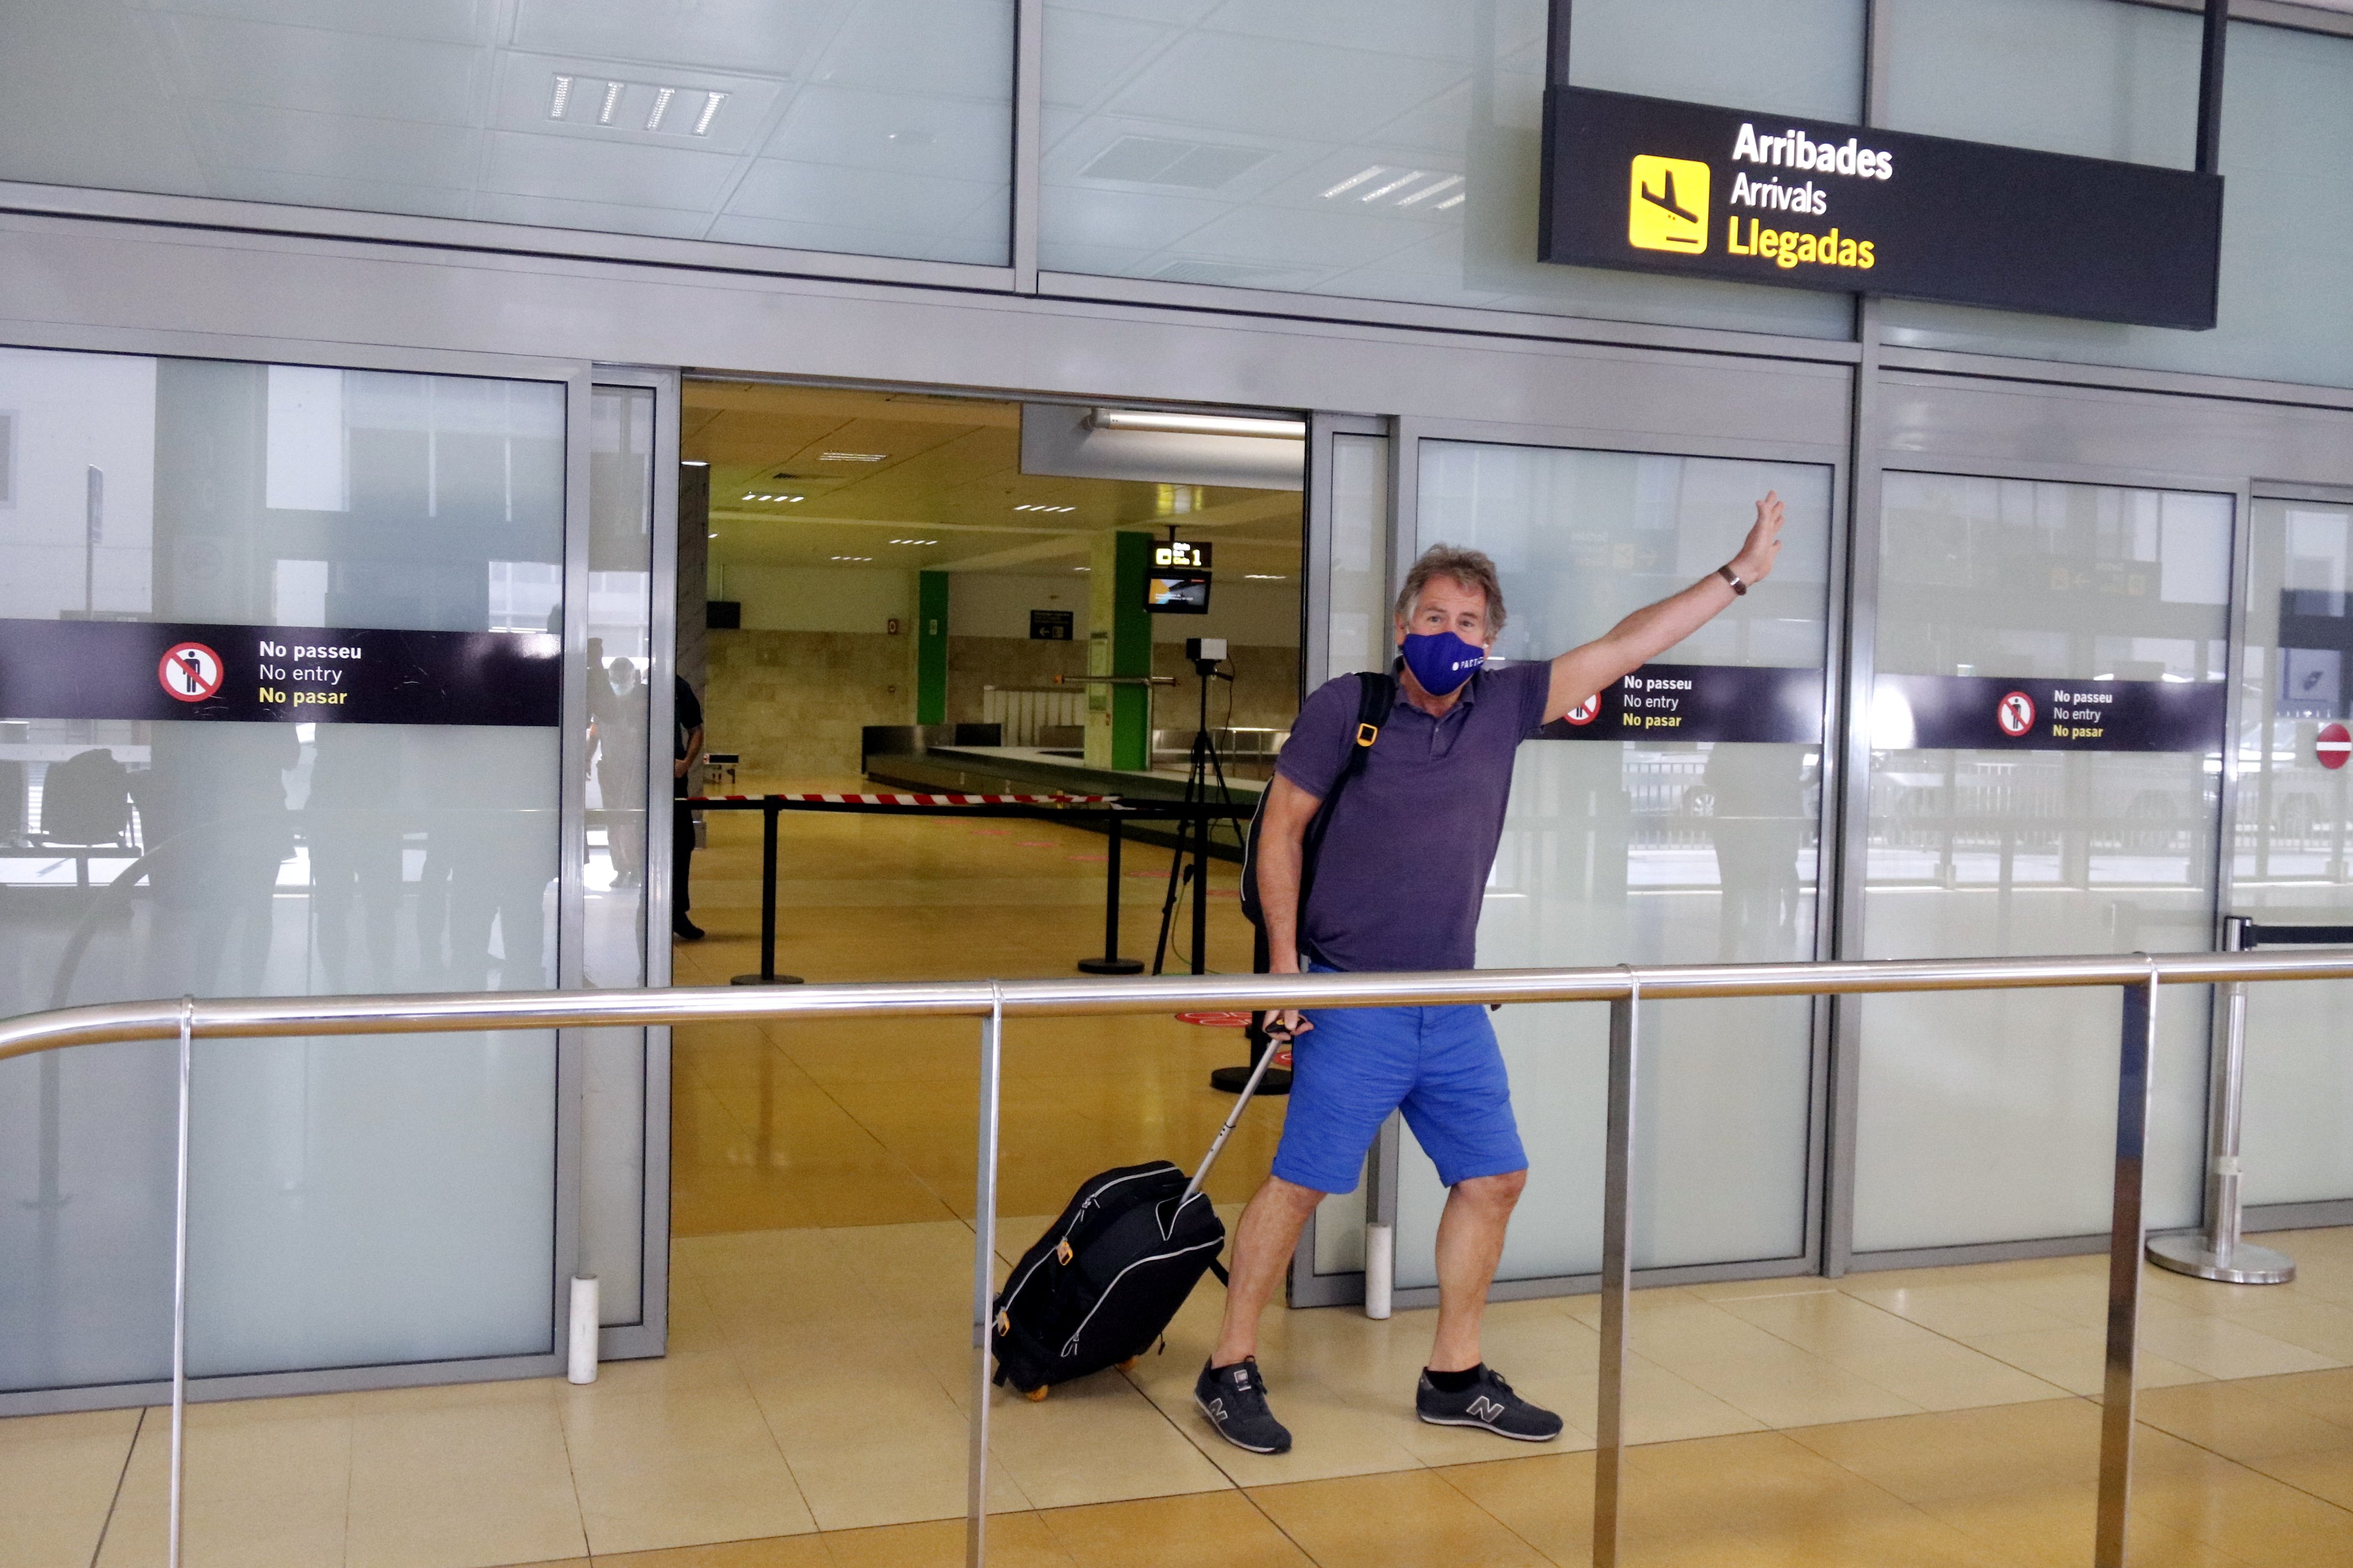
(1406, 854)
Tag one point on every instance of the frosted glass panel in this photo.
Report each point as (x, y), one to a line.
(1645, 853)
(613, 858)
(355, 1201)
(2287, 216)
(880, 127)
(1992, 1117)
(1359, 570)
(2289, 850)
(1389, 149)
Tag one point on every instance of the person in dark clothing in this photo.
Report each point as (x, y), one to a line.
(687, 750)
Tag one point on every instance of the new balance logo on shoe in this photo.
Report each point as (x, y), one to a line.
(1217, 1410)
(1485, 1409)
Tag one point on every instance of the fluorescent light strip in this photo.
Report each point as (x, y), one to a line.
(1408, 177)
(1353, 181)
(703, 125)
(1449, 202)
(1173, 423)
(556, 105)
(661, 107)
(1427, 190)
(612, 102)
(852, 456)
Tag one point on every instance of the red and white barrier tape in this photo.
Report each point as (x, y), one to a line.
(923, 799)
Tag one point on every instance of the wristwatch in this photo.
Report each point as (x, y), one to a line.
(1729, 575)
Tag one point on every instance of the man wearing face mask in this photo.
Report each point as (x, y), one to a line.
(1398, 877)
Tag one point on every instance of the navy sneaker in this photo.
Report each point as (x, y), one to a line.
(1489, 1402)
(1234, 1399)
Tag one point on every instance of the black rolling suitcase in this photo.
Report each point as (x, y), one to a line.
(1103, 1282)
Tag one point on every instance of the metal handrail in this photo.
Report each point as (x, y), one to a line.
(2141, 975)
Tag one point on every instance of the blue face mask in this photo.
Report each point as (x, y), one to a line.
(1441, 661)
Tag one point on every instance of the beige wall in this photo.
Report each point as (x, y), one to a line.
(793, 703)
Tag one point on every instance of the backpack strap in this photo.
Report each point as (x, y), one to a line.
(1376, 695)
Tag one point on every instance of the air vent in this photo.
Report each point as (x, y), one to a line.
(1162, 161)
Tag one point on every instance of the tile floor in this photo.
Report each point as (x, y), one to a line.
(811, 1412)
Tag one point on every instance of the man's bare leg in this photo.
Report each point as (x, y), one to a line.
(1263, 1243)
(1470, 1245)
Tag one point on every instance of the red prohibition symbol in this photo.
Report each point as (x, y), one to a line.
(2015, 714)
(190, 671)
(1585, 712)
(2335, 745)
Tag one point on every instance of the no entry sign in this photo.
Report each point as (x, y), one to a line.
(2335, 745)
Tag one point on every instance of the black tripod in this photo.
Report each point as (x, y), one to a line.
(1202, 765)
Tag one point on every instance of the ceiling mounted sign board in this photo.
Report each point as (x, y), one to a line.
(1650, 185)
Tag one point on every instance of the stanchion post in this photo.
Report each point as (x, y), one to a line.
(2127, 1235)
(1111, 962)
(1201, 890)
(772, 810)
(984, 1281)
(2214, 1251)
(1616, 1276)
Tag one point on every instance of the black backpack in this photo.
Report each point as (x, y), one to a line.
(1107, 1278)
(1376, 695)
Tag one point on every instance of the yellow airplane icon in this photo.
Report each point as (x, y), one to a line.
(1666, 205)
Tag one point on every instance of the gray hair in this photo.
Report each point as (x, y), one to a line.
(1470, 568)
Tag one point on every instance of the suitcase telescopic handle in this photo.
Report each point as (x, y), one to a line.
(1241, 1103)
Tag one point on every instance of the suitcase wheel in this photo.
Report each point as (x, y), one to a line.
(1034, 1394)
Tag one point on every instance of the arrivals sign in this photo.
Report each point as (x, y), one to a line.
(304, 675)
(1649, 184)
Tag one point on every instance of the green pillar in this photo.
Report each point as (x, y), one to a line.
(1118, 642)
(931, 647)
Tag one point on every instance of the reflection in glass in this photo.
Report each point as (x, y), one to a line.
(1986, 1117)
(2289, 844)
(619, 677)
(1646, 852)
(356, 1201)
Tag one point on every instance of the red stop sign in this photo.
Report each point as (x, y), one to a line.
(2335, 745)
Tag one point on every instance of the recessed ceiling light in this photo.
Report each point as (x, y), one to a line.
(1353, 181)
(1453, 201)
(1266, 577)
(661, 107)
(714, 536)
(702, 123)
(1081, 568)
(562, 96)
(693, 463)
(853, 558)
(612, 102)
(1408, 177)
(1042, 506)
(852, 456)
(914, 541)
(1197, 424)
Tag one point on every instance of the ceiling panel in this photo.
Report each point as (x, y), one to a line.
(327, 72)
(761, 35)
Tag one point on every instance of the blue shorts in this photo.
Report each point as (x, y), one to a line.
(1440, 1065)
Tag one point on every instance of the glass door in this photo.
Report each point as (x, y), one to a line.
(2290, 854)
(2046, 725)
(1676, 821)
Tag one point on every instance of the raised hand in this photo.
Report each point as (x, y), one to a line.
(1763, 545)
